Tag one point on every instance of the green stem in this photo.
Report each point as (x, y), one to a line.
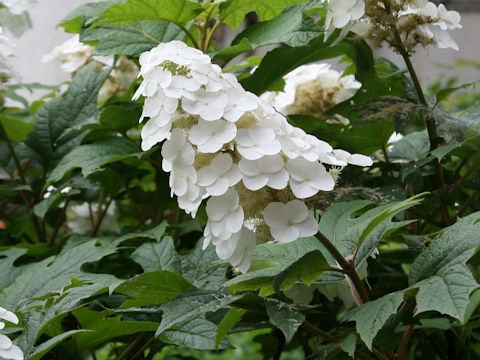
(348, 268)
(101, 217)
(429, 122)
(190, 36)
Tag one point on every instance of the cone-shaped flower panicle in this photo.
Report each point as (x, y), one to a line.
(226, 144)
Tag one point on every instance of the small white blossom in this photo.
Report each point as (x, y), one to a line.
(152, 133)
(289, 221)
(239, 102)
(225, 216)
(210, 136)
(209, 105)
(341, 13)
(266, 171)
(243, 253)
(307, 178)
(220, 175)
(354, 159)
(182, 177)
(257, 141)
(177, 149)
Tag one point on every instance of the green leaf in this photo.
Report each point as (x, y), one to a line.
(292, 27)
(41, 208)
(473, 304)
(371, 316)
(411, 147)
(308, 268)
(158, 256)
(361, 138)
(83, 15)
(348, 344)
(179, 12)
(200, 267)
(58, 115)
(284, 316)
(448, 294)
(439, 273)
(194, 333)
(270, 260)
(40, 350)
(155, 233)
(453, 246)
(193, 304)
(53, 274)
(91, 157)
(16, 128)
(153, 288)
(7, 269)
(445, 93)
(102, 327)
(364, 232)
(232, 12)
(232, 317)
(229, 53)
(132, 39)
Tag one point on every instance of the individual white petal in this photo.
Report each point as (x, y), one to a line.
(278, 180)
(8, 315)
(254, 183)
(13, 353)
(302, 189)
(5, 342)
(360, 160)
(296, 211)
(218, 187)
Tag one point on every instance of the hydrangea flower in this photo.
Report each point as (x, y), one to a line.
(289, 221)
(8, 350)
(226, 144)
(312, 89)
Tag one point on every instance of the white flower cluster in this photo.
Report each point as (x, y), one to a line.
(312, 89)
(8, 350)
(432, 21)
(225, 143)
(443, 20)
(74, 55)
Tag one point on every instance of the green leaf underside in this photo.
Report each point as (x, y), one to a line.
(193, 304)
(284, 316)
(131, 39)
(370, 317)
(200, 267)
